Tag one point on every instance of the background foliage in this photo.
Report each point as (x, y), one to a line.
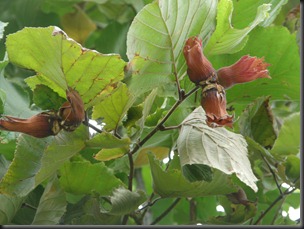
(137, 168)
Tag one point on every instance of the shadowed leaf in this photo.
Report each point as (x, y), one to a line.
(52, 205)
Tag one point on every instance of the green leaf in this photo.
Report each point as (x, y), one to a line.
(78, 25)
(283, 55)
(259, 114)
(87, 211)
(147, 106)
(172, 183)
(156, 38)
(64, 63)
(218, 148)
(2, 99)
(124, 201)
(244, 11)
(293, 167)
(225, 38)
(20, 177)
(111, 147)
(4, 164)
(42, 157)
(45, 98)
(288, 141)
(17, 101)
(9, 207)
(239, 214)
(114, 107)
(197, 172)
(82, 177)
(108, 141)
(107, 43)
(142, 156)
(52, 205)
(109, 154)
(61, 149)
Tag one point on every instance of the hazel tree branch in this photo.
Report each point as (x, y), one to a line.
(182, 97)
(161, 216)
(130, 182)
(273, 174)
(280, 197)
(165, 118)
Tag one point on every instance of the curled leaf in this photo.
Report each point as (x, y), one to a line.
(215, 147)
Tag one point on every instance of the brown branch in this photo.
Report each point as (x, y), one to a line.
(159, 218)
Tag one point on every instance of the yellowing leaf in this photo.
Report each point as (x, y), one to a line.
(109, 154)
(114, 107)
(142, 157)
(78, 25)
(64, 63)
(108, 141)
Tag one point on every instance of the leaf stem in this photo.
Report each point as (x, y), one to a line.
(159, 218)
(29, 206)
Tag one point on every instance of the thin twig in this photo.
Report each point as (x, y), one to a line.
(164, 128)
(92, 126)
(149, 204)
(277, 212)
(125, 219)
(146, 207)
(182, 97)
(131, 174)
(273, 204)
(159, 218)
(273, 174)
(29, 206)
(158, 127)
(130, 183)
